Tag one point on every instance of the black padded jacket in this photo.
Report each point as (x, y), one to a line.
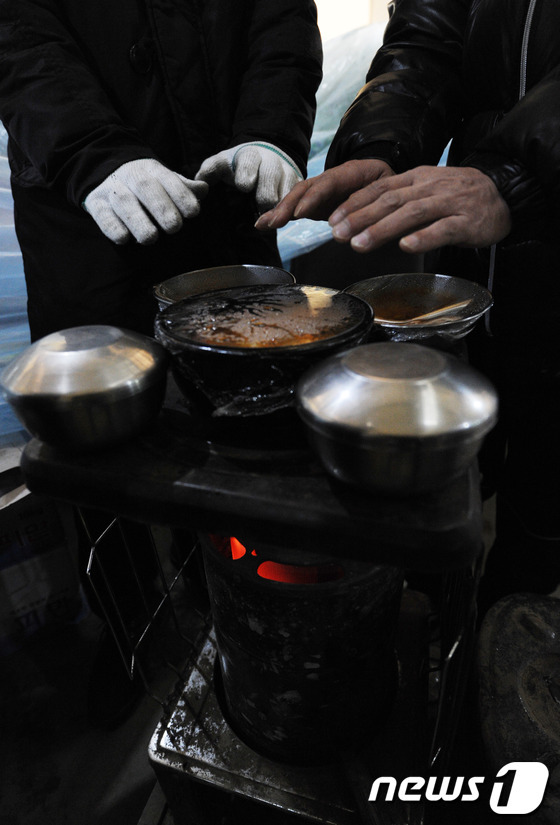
(86, 86)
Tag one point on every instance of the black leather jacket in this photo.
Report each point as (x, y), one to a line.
(86, 85)
(485, 73)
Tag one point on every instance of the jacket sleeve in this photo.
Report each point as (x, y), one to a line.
(63, 130)
(283, 72)
(411, 103)
(411, 106)
(522, 156)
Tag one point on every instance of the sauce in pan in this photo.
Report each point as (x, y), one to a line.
(262, 316)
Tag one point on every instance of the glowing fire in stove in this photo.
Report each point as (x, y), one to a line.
(290, 574)
(237, 549)
(278, 571)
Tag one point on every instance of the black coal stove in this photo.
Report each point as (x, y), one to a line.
(353, 685)
(231, 782)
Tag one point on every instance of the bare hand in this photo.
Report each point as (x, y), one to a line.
(317, 197)
(427, 207)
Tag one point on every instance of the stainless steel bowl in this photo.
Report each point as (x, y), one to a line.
(397, 418)
(87, 387)
(452, 305)
(217, 277)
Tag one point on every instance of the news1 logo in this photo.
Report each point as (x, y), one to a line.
(518, 788)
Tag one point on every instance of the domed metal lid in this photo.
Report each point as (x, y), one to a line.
(396, 390)
(82, 360)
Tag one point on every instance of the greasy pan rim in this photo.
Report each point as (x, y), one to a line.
(361, 327)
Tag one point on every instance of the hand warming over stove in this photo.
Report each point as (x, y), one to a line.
(367, 206)
(316, 198)
(141, 197)
(424, 209)
(258, 167)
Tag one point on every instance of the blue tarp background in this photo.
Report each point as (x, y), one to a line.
(345, 65)
(14, 331)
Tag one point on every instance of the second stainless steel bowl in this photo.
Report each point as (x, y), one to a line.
(394, 417)
(418, 306)
(217, 277)
(87, 387)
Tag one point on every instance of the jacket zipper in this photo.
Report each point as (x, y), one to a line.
(524, 49)
(522, 90)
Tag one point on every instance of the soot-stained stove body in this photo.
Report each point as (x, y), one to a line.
(261, 484)
(209, 773)
(306, 646)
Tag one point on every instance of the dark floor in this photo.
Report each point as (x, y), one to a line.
(65, 759)
(58, 766)
(57, 769)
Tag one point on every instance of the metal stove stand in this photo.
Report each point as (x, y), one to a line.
(169, 478)
(207, 774)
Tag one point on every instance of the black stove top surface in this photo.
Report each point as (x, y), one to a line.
(257, 478)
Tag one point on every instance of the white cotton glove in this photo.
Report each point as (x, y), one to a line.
(253, 166)
(140, 196)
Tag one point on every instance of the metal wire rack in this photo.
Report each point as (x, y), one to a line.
(146, 585)
(452, 648)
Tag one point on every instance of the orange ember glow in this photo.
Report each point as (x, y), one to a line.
(287, 573)
(237, 549)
